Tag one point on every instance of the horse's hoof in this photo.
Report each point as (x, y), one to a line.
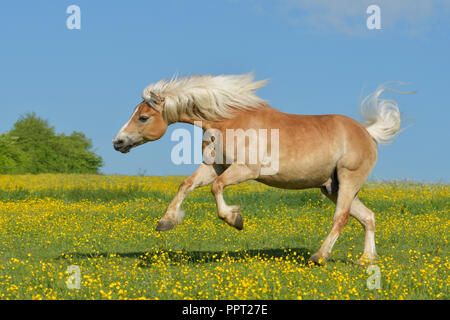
(164, 225)
(239, 222)
(317, 259)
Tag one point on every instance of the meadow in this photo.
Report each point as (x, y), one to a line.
(105, 226)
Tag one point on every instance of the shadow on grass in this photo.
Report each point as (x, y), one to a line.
(300, 255)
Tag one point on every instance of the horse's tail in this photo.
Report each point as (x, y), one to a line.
(382, 116)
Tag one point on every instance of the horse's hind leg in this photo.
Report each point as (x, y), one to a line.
(204, 175)
(234, 174)
(367, 219)
(350, 182)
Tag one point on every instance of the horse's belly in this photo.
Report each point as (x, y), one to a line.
(299, 177)
(303, 165)
(289, 184)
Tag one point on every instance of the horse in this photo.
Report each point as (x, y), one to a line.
(333, 153)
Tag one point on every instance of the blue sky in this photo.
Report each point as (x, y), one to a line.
(319, 56)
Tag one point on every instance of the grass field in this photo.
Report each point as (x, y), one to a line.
(105, 226)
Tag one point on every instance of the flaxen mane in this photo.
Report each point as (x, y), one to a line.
(204, 97)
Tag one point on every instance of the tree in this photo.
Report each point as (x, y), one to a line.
(11, 157)
(37, 149)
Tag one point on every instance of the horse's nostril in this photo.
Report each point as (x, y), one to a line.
(118, 144)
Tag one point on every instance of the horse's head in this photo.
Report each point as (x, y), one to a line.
(146, 124)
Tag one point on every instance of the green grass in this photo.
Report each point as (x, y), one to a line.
(109, 233)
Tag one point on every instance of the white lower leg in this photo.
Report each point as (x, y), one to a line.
(325, 249)
(226, 212)
(369, 245)
(234, 174)
(173, 212)
(339, 221)
(367, 219)
(204, 175)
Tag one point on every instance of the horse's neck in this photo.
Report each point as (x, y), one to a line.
(204, 124)
(263, 111)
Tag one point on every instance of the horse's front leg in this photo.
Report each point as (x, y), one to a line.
(204, 175)
(234, 174)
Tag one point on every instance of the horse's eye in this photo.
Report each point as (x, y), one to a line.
(143, 118)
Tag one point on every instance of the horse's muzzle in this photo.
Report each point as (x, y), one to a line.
(122, 145)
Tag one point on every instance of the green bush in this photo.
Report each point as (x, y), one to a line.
(12, 158)
(32, 146)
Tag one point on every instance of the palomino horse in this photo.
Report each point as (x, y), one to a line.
(331, 152)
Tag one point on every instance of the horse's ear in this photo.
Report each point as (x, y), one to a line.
(155, 101)
(157, 98)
